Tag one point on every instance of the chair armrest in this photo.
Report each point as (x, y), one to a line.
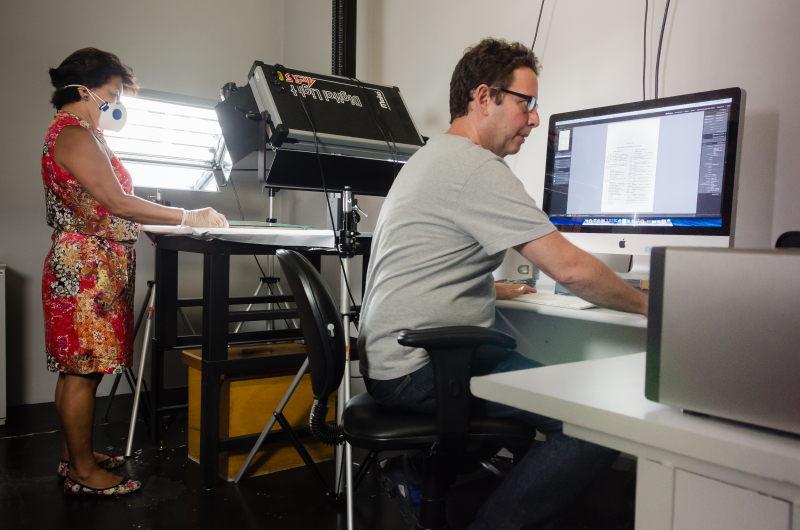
(451, 350)
(454, 337)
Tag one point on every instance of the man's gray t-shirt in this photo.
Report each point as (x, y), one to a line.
(452, 212)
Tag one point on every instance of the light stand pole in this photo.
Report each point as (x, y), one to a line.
(347, 250)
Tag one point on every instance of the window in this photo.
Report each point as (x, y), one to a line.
(170, 142)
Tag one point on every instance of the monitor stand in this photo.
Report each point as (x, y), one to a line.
(627, 266)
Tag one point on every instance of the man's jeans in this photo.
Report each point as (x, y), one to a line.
(545, 482)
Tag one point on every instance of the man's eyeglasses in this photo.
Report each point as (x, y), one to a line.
(530, 100)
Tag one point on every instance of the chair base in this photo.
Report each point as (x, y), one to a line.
(437, 479)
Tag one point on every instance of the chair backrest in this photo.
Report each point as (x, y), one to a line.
(788, 240)
(320, 320)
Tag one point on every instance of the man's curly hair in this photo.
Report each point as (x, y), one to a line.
(491, 61)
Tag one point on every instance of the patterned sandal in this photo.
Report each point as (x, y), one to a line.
(123, 488)
(112, 462)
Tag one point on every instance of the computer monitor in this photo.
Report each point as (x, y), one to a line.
(627, 178)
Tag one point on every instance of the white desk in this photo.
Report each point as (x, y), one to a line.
(693, 472)
(555, 335)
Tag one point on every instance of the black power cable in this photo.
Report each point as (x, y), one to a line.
(541, 9)
(327, 201)
(644, 62)
(660, 40)
(374, 119)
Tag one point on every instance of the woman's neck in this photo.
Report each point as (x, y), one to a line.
(80, 111)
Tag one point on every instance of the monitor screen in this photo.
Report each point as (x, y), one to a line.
(663, 166)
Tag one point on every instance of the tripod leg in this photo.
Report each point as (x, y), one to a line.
(143, 312)
(131, 381)
(249, 307)
(111, 395)
(295, 323)
(138, 391)
(113, 392)
(365, 465)
(145, 412)
(271, 422)
(348, 458)
(186, 321)
(301, 450)
(172, 418)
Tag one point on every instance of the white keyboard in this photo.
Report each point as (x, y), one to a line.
(555, 300)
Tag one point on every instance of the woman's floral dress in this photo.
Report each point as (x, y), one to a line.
(88, 280)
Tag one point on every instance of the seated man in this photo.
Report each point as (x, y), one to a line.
(447, 222)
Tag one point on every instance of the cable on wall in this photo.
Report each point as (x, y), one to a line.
(644, 48)
(537, 25)
(660, 41)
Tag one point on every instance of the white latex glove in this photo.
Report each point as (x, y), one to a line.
(205, 218)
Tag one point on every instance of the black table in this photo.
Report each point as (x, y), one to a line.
(215, 337)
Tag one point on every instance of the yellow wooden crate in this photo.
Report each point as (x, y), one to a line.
(246, 405)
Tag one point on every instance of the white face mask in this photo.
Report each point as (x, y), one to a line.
(112, 115)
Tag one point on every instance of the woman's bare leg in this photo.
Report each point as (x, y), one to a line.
(76, 407)
(59, 388)
(99, 457)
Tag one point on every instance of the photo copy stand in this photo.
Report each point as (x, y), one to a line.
(316, 132)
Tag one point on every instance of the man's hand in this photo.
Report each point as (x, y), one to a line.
(506, 291)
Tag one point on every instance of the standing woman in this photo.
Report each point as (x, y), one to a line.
(88, 280)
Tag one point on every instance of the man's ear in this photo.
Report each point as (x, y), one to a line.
(482, 99)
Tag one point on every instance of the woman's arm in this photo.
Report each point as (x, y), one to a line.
(80, 153)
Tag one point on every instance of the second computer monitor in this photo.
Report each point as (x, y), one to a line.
(626, 178)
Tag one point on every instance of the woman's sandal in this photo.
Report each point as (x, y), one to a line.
(112, 462)
(123, 488)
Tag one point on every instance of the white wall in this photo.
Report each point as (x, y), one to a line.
(187, 47)
(592, 56)
(591, 52)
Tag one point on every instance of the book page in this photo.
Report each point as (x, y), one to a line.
(629, 176)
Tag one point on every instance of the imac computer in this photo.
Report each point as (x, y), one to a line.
(621, 180)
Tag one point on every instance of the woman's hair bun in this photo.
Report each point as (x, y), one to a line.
(56, 78)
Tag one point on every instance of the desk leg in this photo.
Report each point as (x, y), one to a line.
(216, 290)
(209, 425)
(157, 381)
(166, 333)
(655, 490)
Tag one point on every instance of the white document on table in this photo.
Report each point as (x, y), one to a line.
(629, 176)
(257, 236)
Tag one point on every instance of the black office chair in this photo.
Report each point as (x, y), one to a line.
(444, 437)
(788, 240)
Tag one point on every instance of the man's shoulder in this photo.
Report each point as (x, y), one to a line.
(452, 143)
(448, 153)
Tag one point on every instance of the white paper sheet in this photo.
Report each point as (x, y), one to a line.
(563, 140)
(257, 236)
(629, 176)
